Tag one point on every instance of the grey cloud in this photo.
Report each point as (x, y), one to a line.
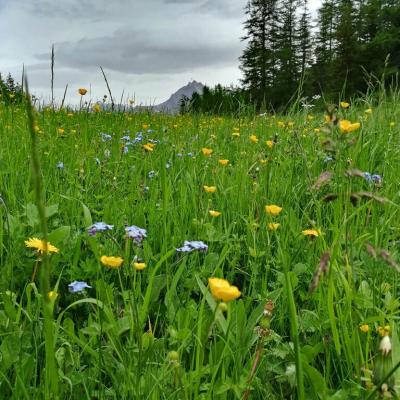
(224, 8)
(183, 1)
(93, 10)
(79, 9)
(136, 52)
(140, 43)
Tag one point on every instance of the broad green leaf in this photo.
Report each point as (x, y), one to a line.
(59, 235)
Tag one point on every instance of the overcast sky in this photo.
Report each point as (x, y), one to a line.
(149, 48)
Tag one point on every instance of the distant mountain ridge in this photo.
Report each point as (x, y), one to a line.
(173, 103)
(170, 106)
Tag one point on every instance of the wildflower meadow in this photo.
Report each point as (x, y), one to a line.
(153, 256)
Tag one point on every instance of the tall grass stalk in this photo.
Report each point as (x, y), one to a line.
(51, 378)
(294, 326)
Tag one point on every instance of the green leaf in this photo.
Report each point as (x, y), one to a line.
(51, 210)
(87, 216)
(255, 253)
(149, 291)
(32, 214)
(396, 352)
(59, 235)
(316, 379)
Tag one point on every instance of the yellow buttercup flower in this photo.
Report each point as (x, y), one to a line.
(311, 232)
(145, 126)
(40, 245)
(273, 209)
(235, 134)
(273, 226)
(364, 328)
(270, 143)
(60, 131)
(206, 151)
(253, 138)
(281, 124)
(344, 104)
(149, 147)
(328, 118)
(96, 107)
(112, 262)
(210, 189)
(346, 126)
(214, 213)
(368, 111)
(223, 162)
(52, 295)
(139, 266)
(82, 91)
(221, 289)
(384, 330)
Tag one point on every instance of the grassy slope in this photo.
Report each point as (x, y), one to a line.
(118, 342)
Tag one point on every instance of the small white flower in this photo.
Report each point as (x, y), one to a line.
(385, 346)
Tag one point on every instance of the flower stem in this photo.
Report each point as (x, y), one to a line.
(51, 376)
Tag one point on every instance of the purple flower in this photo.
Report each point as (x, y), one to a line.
(377, 179)
(126, 138)
(99, 227)
(97, 161)
(328, 159)
(138, 138)
(78, 286)
(368, 177)
(189, 246)
(136, 233)
(151, 174)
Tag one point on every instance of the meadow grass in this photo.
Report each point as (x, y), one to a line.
(314, 305)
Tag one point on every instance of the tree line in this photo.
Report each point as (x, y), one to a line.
(289, 53)
(11, 92)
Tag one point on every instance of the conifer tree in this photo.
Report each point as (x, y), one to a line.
(288, 71)
(347, 69)
(258, 62)
(325, 45)
(304, 39)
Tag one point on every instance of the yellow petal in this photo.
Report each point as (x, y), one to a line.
(273, 209)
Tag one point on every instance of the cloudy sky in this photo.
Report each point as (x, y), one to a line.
(149, 48)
